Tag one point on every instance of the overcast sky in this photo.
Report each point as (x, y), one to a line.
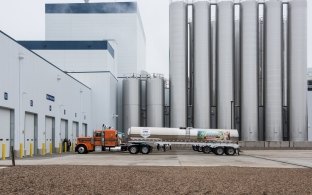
(24, 20)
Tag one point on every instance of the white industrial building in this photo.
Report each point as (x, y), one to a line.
(119, 22)
(67, 85)
(91, 62)
(40, 104)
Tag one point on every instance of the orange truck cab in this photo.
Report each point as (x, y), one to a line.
(101, 139)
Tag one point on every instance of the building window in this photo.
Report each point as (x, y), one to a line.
(6, 96)
(31, 103)
(50, 108)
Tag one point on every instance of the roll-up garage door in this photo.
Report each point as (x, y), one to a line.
(5, 127)
(48, 133)
(84, 129)
(64, 129)
(75, 132)
(29, 133)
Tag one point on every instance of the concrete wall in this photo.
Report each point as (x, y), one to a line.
(27, 77)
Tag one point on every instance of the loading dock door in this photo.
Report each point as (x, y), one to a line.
(29, 133)
(48, 133)
(64, 129)
(84, 129)
(5, 127)
(75, 132)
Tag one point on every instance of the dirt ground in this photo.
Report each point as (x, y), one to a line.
(153, 180)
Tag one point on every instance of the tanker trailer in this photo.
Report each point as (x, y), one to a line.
(183, 134)
(218, 141)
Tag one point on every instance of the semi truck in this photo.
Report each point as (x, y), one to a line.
(145, 139)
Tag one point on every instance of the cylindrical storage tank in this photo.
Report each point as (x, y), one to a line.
(131, 103)
(297, 70)
(225, 63)
(273, 71)
(178, 63)
(177, 134)
(155, 102)
(201, 21)
(249, 70)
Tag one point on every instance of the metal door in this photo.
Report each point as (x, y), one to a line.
(29, 133)
(5, 127)
(48, 133)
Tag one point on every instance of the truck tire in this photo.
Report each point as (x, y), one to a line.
(134, 149)
(229, 151)
(200, 149)
(206, 149)
(145, 149)
(218, 151)
(81, 149)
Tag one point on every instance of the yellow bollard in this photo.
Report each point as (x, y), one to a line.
(51, 150)
(65, 148)
(3, 151)
(21, 151)
(43, 149)
(60, 148)
(31, 153)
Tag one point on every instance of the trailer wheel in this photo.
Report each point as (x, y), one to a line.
(134, 149)
(194, 147)
(200, 149)
(206, 149)
(82, 149)
(145, 150)
(219, 151)
(229, 151)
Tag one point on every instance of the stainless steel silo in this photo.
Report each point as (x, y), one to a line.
(155, 101)
(297, 70)
(201, 105)
(131, 103)
(273, 71)
(178, 63)
(225, 63)
(249, 70)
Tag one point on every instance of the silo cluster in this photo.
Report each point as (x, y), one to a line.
(143, 101)
(240, 65)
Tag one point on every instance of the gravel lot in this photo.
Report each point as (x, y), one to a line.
(153, 180)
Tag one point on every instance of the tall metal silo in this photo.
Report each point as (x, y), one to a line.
(131, 103)
(225, 63)
(178, 63)
(155, 101)
(273, 71)
(249, 70)
(201, 21)
(213, 74)
(297, 70)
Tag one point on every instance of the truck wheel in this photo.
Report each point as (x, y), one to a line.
(82, 149)
(219, 150)
(145, 150)
(200, 149)
(206, 150)
(229, 151)
(133, 149)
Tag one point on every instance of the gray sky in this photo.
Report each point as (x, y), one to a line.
(24, 20)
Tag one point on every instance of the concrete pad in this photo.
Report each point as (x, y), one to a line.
(274, 144)
(248, 158)
(285, 144)
(303, 144)
(254, 144)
